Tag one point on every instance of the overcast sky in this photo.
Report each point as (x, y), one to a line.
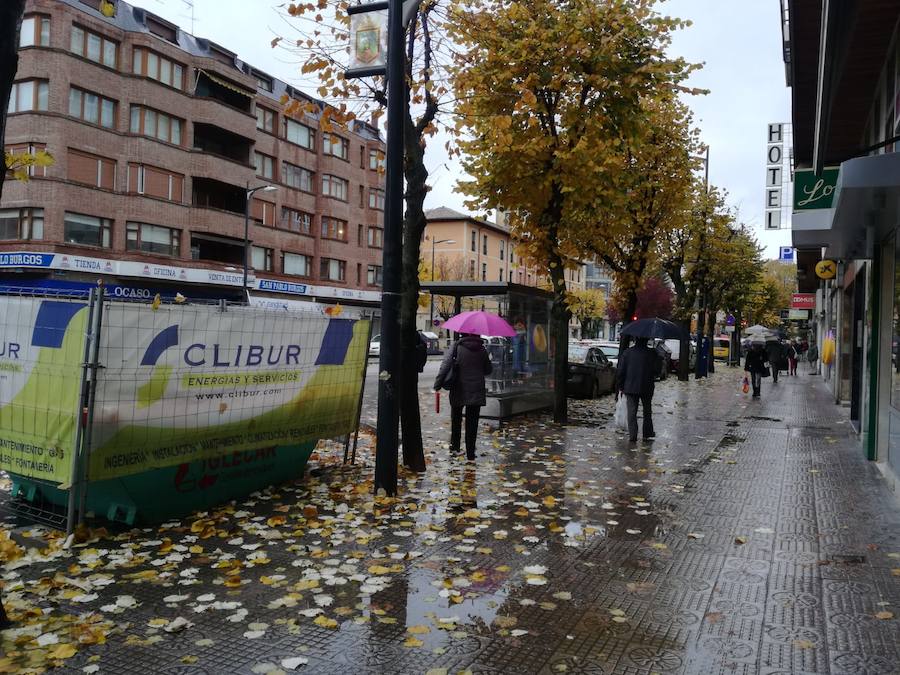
(739, 41)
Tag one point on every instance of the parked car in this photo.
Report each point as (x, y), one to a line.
(590, 372)
(375, 346)
(675, 348)
(610, 350)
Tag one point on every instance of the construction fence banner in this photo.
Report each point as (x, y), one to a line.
(41, 354)
(175, 384)
(185, 383)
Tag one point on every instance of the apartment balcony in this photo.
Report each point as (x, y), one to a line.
(222, 143)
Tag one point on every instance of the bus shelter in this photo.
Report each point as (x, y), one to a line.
(522, 378)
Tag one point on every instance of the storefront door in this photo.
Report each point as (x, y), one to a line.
(857, 329)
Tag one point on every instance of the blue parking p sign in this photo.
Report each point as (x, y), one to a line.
(786, 254)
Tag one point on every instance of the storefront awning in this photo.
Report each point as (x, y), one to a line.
(867, 204)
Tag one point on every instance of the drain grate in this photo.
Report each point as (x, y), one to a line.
(848, 559)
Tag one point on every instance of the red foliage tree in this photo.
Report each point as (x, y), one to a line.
(654, 300)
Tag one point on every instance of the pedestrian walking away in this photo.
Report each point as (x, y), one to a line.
(777, 358)
(792, 355)
(462, 372)
(755, 364)
(812, 355)
(637, 369)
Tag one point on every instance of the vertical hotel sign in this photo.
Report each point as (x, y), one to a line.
(774, 175)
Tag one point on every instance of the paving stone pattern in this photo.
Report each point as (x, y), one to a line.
(640, 546)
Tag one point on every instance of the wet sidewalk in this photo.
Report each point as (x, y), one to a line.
(749, 537)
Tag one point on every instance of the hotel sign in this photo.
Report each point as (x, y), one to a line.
(774, 175)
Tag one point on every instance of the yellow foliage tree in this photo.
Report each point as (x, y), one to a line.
(658, 183)
(588, 306)
(550, 93)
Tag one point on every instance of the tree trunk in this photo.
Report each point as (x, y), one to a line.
(559, 327)
(710, 332)
(413, 226)
(684, 350)
(10, 24)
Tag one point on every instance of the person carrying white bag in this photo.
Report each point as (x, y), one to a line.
(635, 382)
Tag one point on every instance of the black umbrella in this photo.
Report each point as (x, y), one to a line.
(653, 329)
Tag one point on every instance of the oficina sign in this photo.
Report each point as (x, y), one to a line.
(803, 301)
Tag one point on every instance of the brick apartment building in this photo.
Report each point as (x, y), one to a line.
(157, 135)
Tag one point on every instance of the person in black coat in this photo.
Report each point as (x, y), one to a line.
(755, 364)
(635, 377)
(776, 355)
(469, 362)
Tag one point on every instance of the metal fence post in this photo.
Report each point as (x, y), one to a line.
(94, 367)
(79, 420)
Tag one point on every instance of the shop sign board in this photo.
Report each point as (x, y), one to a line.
(826, 269)
(803, 301)
(815, 192)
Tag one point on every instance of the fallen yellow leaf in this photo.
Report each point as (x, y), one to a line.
(418, 630)
(884, 615)
(549, 501)
(325, 622)
(63, 651)
(412, 642)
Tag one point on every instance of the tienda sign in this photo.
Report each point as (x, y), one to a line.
(803, 301)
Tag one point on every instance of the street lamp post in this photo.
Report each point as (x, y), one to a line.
(433, 244)
(249, 194)
(702, 298)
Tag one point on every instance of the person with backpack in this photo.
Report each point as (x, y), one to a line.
(462, 372)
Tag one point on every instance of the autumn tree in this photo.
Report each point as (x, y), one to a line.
(321, 44)
(549, 92)
(587, 306)
(657, 184)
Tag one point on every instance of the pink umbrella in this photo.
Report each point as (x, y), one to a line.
(480, 323)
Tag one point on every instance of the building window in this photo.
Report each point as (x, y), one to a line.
(153, 182)
(511, 261)
(376, 237)
(484, 271)
(298, 265)
(28, 95)
(332, 228)
(92, 108)
(300, 134)
(501, 275)
(24, 223)
(510, 276)
(335, 146)
(34, 170)
(35, 31)
(296, 221)
(472, 270)
(376, 160)
(484, 245)
(153, 239)
(87, 230)
(93, 46)
(362, 197)
(374, 276)
(362, 157)
(149, 122)
(332, 186)
(376, 199)
(91, 170)
(265, 120)
(265, 165)
(297, 177)
(474, 241)
(262, 81)
(261, 258)
(332, 270)
(263, 212)
(502, 252)
(157, 67)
